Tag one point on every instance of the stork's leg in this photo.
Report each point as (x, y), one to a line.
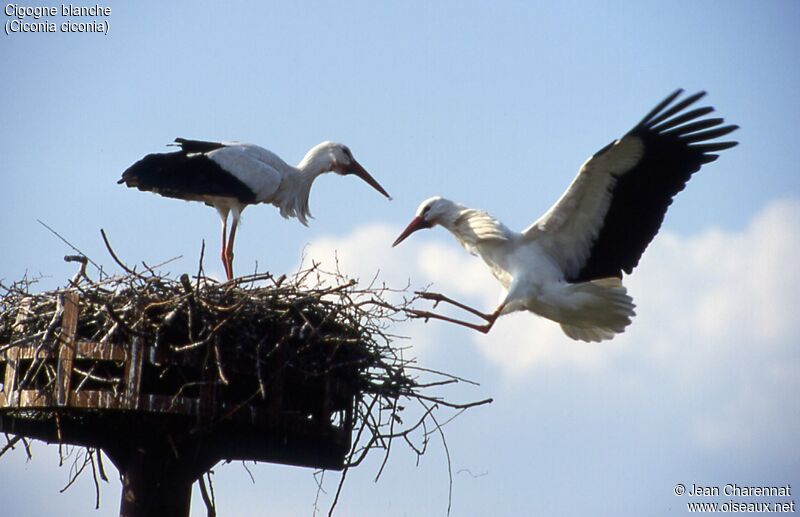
(229, 249)
(437, 297)
(224, 217)
(490, 318)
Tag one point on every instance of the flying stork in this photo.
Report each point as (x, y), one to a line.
(568, 265)
(230, 176)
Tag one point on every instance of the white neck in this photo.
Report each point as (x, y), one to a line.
(472, 227)
(292, 197)
(315, 162)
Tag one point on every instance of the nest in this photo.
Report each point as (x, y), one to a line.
(304, 364)
(202, 333)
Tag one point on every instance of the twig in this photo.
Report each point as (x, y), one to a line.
(27, 445)
(76, 471)
(218, 361)
(94, 478)
(65, 241)
(200, 272)
(338, 492)
(318, 480)
(114, 255)
(252, 479)
(82, 271)
(389, 444)
(449, 464)
(10, 444)
(211, 508)
(101, 469)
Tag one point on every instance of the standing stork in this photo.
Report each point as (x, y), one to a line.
(230, 176)
(568, 265)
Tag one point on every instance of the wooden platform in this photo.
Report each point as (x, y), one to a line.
(167, 415)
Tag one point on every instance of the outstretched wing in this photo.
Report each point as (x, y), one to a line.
(612, 210)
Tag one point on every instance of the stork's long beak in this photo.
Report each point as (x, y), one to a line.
(361, 172)
(418, 223)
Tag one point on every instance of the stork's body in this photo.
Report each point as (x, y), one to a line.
(568, 265)
(232, 176)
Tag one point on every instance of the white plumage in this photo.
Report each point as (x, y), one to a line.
(230, 176)
(568, 265)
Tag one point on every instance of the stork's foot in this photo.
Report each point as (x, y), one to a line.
(414, 313)
(427, 315)
(436, 298)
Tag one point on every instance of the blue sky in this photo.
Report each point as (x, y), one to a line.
(493, 105)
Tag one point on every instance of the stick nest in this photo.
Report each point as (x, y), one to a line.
(312, 325)
(311, 328)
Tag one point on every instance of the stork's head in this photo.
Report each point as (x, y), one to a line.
(433, 211)
(334, 157)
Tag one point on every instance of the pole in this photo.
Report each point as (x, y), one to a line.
(154, 483)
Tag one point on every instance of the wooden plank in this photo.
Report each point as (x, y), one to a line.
(35, 399)
(41, 399)
(66, 348)
(12, 362)
(10, 378)
(99, 351)
(28, 352)
(94, 399)
(133, 374)
(83, 350)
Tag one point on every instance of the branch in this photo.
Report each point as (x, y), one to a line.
(211, 508)
(65, 241)
(114, 255)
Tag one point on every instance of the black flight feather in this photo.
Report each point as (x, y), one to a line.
(641, 196)
(186, 174)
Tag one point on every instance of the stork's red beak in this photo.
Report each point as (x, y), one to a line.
(418, 223)
(361, 172)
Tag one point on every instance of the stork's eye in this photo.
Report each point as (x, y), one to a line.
(346, 151)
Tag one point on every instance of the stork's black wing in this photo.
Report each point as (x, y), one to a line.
(186, 174)
(676, 143)
(612, 210)
(198, 146)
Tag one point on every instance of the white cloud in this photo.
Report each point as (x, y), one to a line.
(722, 307)
(716, 315)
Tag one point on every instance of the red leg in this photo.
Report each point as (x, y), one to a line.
(437, 297)
(225, 245)
(229, 249)
(490, 318)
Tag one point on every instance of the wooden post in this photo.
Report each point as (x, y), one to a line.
(133, 375)
(66, 348)
(12, 360)
(10, 378)
(154, 484)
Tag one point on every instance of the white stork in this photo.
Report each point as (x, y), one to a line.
(567, 266)
(230, 176)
